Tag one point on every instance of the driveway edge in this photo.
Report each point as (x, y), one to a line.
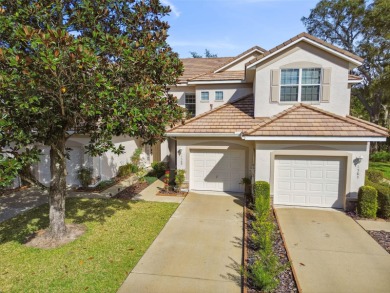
(288, 252)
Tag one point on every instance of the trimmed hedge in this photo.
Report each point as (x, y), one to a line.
(383, 198)
(262, 199)
(367, 202)
(375, 176)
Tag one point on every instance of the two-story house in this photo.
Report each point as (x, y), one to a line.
(280, 116)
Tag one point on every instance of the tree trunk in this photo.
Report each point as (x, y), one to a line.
(57, 190)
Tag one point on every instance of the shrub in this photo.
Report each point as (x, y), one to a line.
(136, 157)
(367, 202)
(179, 178)
(263, 234)
(127, 170)
(85, 176)
(262, 200)
(383, 198)
(375, 176)
(264, 271)
(159, 168)
(382, 156)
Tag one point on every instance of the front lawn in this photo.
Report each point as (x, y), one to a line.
(383, 167)
(118, 234)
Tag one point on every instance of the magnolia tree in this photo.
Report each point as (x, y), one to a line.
(95, 68)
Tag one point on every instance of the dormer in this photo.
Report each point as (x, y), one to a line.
(306, 70)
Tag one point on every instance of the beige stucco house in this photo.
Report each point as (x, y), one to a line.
(281, 116)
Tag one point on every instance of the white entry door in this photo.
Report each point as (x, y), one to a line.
(217, 170)
(309, 181)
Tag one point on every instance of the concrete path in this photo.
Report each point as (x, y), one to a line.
(150, 194)
(18, 202)
(371, 225)
(330, 252)
(199, 250)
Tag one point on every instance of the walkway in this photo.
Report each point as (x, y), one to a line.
(199, 249)
(330, 252)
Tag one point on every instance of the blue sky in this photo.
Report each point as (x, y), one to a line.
(229, 27)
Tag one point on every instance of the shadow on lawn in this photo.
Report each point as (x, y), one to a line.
(79, 211)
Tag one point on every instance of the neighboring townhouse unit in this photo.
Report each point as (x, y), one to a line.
(280, 116)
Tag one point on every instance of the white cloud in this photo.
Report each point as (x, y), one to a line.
(174, 9)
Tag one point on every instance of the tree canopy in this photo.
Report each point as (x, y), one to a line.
(95, 68)
(364, 29)
(207, 54)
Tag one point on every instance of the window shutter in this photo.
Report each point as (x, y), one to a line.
(275, 77)
(325, 95)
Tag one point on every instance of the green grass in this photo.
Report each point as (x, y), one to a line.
(383, 167)
(118, 234)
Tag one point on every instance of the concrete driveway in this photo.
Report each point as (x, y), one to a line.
(330, 252)
(199, 249)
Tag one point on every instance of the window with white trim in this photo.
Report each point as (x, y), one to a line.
(190, 104)
(204, 96)
(300, 85)
(219, 95)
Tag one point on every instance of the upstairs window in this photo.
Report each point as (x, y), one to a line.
(219, 95)
(190, 104)
(300, 85)
(204, 96)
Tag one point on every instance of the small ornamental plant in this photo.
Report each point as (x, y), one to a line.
(179, 179)
(166, 180)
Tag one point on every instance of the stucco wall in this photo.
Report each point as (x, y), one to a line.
(184, 147)
(264, 152)
(231, 92)
(238, 66)
(105, 166)
(339, 92)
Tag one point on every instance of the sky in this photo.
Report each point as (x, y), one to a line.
(229, 27)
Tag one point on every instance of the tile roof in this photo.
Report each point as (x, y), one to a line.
(299, 120)
(224, 75)
(306, 120)
(194, 67)
(241, 55)
(312, 38)
(228, 118)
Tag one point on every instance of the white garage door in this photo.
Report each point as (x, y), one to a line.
(309, 181)
(219, 170)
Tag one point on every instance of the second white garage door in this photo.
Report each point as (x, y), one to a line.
(309, 181)
(217, 170)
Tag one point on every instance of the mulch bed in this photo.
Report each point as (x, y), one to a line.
(382, 237)
(100, 188)
(287, 281)
(9, 191)
(129, 192)
(164, 192)
(355, 216)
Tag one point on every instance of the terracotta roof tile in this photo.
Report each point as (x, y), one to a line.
(199, 66)
(220, 119)
(224, 75)
(312, 38)
(306, 120)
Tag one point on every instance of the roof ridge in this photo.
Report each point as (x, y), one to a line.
(209, 112)
(339, 117)
(241, 55)
(272, 119)
(310, 37)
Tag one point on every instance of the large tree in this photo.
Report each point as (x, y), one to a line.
(363, 29)
(96, 68)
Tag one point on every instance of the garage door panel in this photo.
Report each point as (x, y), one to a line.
(309, 181)
(221, 170)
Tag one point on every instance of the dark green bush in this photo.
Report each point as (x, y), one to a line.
(383, 198)
(127, 170)
(374, 175)
(382, 156)
(84, 174)
(367, 202)
(159, 168)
